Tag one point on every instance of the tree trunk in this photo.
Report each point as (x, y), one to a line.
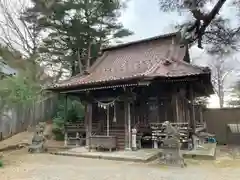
(220, 88)
(221, 98)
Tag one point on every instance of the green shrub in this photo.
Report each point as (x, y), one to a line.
(1, 163)
(57, 130)
(75, 112)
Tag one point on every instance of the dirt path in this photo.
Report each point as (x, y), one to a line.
(21, 138)
(22, 166)
(19, 165)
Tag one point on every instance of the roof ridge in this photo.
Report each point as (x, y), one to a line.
(139, 41)
(192, 65)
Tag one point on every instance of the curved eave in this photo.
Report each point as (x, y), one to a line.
(127, 82)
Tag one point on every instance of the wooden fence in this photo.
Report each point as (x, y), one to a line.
(22, 117)
(217, 123)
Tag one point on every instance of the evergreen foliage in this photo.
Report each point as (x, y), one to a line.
(77, 29)
(74, 112)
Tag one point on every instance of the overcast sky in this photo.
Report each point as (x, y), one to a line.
(145, 19)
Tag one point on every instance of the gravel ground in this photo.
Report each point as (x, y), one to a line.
(22, 166)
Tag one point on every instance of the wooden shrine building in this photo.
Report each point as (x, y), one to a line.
(138, 84)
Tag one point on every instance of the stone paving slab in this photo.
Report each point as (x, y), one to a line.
(208, 153)
(143, 155)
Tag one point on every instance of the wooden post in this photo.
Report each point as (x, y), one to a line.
(158, 110)
(201, 115)
(177, 108)
(108, 120)
(88, 122)
(65, 108)
(174, 108)
(166, 106)
(65, 120)
(129, 127)
(90, 118)
(193, 120)
(184, 109)
(127, 124)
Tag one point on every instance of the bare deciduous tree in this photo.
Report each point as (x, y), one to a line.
(19, 32)
(220, 65)
(16, 31)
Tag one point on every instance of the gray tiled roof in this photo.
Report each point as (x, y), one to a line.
(154, 57)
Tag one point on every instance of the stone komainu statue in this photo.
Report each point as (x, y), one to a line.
(38, 141)
(171, 146)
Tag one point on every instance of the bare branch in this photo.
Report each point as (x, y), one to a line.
(194, 32)
(16, 31)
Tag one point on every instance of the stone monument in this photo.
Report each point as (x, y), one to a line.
(171, 146)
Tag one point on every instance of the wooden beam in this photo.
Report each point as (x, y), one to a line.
(99, 87)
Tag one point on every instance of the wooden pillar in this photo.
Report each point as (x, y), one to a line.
(65, 107)
(108, 119)
(166, 107)
(65, 120)
(88, 122)
(158, 109)
(201, 115)
(175, 107)
(192, 119)
(185, 110)
(127, 124)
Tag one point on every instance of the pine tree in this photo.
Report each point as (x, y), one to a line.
(77, 30)
(207, 24)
